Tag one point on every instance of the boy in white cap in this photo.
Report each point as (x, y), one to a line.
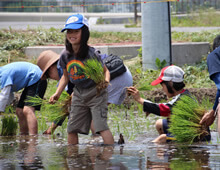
(171, 79)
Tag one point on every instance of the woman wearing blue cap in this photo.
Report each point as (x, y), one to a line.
(86, 105)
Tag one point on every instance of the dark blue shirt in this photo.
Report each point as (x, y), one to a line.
(213, 62)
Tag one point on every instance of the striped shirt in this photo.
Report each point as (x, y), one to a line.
(163, 109)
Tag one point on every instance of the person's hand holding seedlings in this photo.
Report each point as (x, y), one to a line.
(136, 95)
(53, 98)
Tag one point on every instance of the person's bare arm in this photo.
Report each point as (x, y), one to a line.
(136, 95)
(107, 76)
(62, 84)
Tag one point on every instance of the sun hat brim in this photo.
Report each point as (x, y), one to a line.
(72, 26)
(157, 81)
(49, 57)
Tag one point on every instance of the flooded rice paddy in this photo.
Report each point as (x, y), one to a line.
(138, 153)
(52, 152)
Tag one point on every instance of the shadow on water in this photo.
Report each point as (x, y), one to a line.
(44, 152)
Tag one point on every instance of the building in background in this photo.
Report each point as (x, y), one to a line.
(95, 6)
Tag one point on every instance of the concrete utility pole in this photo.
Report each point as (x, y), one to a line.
(156, 33)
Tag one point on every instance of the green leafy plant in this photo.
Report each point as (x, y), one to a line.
(9, 122)
(200, 18)
(9, 125)
(54, 111)
(95, 71)
(185, 118)
(139, 52)
(160, 64)
(100, 20)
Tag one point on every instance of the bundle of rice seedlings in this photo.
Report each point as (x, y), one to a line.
(9, 122)
(143, 85)
(9, 125)
(95, 71)
(185, 118)
(54, 111)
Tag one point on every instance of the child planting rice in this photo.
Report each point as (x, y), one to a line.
(86, 106)
(171, 79)
(32, 79)
(116, 88)
(27, 77)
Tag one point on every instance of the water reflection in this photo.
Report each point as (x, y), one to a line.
(92, 157)
(179, 157)
(47, 152)
(28, 151)
(197, 158)
(19, 152)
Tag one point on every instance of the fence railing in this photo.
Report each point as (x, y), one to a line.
(95, 6)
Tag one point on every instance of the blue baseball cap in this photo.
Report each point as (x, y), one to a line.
(75, 21)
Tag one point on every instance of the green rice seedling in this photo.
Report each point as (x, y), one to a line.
(60, 109)
(9, 125)
(54, 111)
(35, 101)
(94, 70)
(10, 109)
(143, 85)
(185, 118)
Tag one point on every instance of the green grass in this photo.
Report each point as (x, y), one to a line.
(207, 18)
(13, 42)
(197, 76)
(203, 36)
(202, 18)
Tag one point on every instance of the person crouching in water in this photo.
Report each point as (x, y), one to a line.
(171, 79)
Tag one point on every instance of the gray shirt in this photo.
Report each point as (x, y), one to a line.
(75, 67)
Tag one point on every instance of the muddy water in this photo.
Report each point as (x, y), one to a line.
(47, 152)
